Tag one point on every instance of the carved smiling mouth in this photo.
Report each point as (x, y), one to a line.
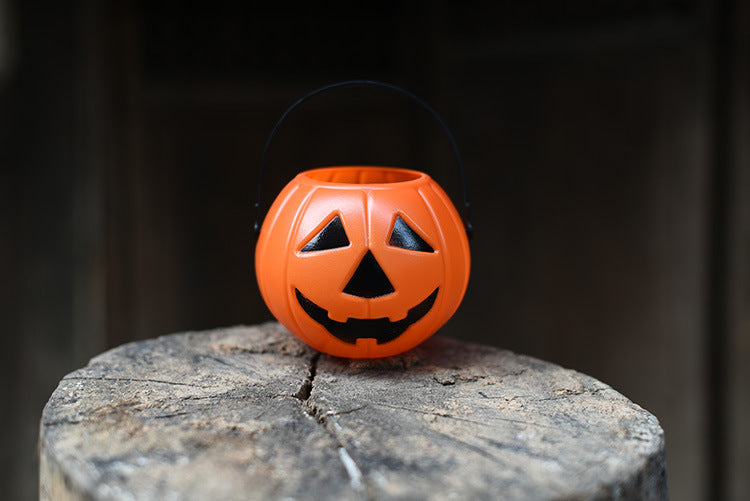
(380, 329)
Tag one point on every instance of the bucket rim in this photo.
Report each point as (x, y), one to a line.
(361, 176)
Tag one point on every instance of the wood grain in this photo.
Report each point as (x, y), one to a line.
(251, 413)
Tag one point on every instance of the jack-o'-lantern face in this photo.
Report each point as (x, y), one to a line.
(362, 261)
(369, 282)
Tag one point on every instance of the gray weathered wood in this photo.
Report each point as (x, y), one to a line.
(251, 413)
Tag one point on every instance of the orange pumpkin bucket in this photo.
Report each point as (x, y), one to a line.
(362, 261)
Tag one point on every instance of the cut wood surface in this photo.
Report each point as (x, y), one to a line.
(252, 413)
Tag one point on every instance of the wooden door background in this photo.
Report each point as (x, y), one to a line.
(607, 146)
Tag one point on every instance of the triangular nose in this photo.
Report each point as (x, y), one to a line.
(369, 280)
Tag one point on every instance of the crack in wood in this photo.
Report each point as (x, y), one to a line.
(341, 413)
(357, 480)
(450, 416)
(201, 358)
(566, 393)
(283, 347)
(355, 474)
(517, 448)
(471, 447)
(171, 415)
(62, 421)
(304, 391)
(134, 380)
(223, 396)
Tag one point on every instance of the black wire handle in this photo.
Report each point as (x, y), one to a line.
(467, 207)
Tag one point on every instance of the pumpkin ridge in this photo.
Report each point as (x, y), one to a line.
(285, 273)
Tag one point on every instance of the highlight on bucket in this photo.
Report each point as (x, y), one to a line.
(362, 261)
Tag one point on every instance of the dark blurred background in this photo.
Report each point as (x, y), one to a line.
(608, 151)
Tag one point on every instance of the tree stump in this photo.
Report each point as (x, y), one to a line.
(252, 413)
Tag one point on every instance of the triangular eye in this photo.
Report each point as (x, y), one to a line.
(406, 238)
(332, 236)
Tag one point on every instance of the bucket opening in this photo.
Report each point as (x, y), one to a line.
(363, 175)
